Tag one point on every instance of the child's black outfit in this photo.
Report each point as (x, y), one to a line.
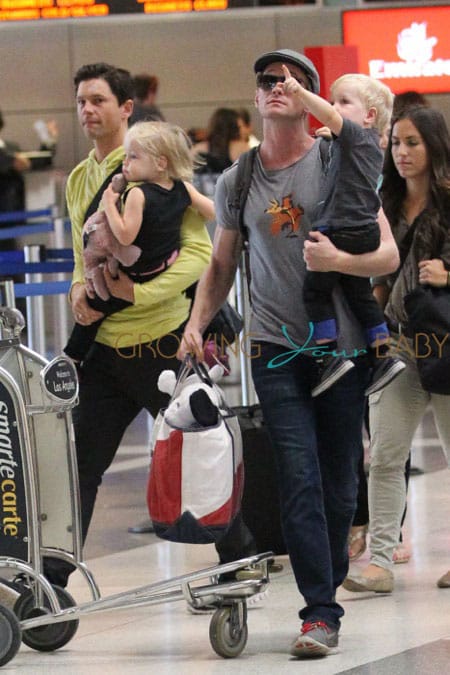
(159, 240)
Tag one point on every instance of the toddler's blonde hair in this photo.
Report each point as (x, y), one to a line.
(373, 94)
(169, 140)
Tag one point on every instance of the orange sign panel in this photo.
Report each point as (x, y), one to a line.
(27, 10)
(407, 48)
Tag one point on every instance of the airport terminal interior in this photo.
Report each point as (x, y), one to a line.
(406, 632)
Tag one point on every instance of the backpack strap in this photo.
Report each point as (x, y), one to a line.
(93, 206)
(244, 175)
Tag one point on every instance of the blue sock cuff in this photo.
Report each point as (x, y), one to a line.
(380, 332)
(325, 330)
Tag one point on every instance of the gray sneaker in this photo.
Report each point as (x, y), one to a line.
(330, 370)
(315, 639)
(385, 371)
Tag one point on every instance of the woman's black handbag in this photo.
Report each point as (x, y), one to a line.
(428, 310)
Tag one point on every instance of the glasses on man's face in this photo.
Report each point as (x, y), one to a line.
(268, 82)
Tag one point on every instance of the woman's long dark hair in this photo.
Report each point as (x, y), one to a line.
(223, 127)
(431, 125)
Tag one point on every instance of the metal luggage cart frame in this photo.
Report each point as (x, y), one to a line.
(36, 441)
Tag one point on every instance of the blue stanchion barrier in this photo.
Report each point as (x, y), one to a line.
(19, 216)
(59, 253)
(46, 288)
(36, 268)
(25, 230)
(9, 257)
(56, 261)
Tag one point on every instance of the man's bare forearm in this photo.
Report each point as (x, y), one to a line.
(216, 281)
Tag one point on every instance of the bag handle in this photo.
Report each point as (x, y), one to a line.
(189, 365)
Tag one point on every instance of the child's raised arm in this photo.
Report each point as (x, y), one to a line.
(315, 104)
(204, 205)
(126, 226)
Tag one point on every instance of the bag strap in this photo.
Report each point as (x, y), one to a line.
(93, 206)
(189, 365)
(404, 247)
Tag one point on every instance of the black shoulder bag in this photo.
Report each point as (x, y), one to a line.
(428, 311)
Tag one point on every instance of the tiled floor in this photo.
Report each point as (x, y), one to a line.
(407, 632)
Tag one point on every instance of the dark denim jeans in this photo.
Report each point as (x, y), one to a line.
(318, 443)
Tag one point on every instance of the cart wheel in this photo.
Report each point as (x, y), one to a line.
(10, 635)
(53, 635)
(227, 637)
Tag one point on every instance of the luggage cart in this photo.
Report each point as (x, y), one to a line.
(40, 516)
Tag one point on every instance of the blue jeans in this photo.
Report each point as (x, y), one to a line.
(317, 444)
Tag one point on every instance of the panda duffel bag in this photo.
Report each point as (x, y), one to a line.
(196, 471)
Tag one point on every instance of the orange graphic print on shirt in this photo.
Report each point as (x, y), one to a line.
(285, 216)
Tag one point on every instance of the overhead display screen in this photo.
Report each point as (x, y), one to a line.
(409, 47)
(28, 10)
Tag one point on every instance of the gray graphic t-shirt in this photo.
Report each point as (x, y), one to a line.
(280, 208)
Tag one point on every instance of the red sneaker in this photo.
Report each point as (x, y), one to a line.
(315, 639)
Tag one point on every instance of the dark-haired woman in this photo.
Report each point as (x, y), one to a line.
(415, 193)
(223, 145)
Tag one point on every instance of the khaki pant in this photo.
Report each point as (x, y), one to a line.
(395, 414)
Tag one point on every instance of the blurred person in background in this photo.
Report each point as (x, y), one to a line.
(146, 92)
(222, 146)
(245, 124)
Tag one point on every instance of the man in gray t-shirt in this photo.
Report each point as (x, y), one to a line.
(317, 441)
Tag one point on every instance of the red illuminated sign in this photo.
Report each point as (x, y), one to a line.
(407, 48)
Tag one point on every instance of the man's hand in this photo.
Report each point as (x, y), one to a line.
(82, 312)
(191, 343)
(319, 253)
(121, 287)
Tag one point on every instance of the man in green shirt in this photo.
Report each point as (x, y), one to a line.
(119, 376)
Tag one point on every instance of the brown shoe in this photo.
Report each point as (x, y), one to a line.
(444, 581)
(358, 583)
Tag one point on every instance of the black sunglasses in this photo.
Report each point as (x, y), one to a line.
(269, 82)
